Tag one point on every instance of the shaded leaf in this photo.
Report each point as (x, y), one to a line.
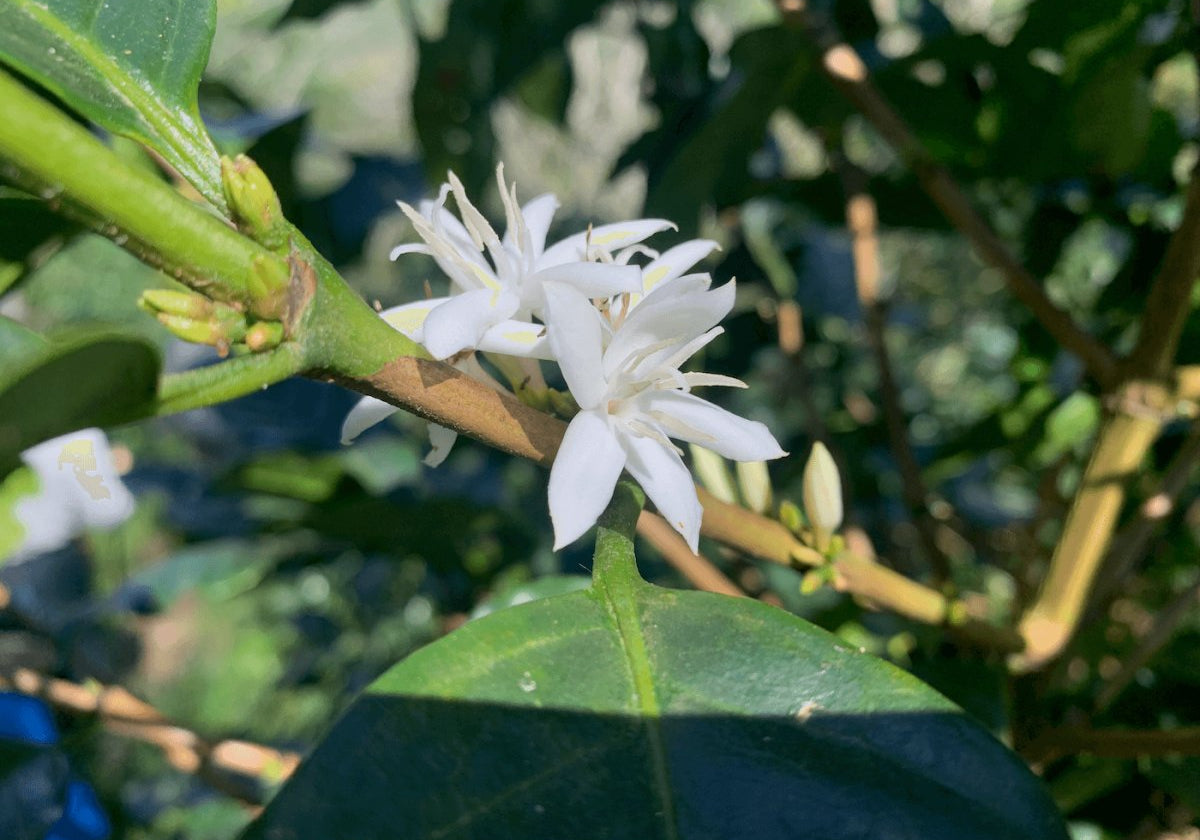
(536, 722)
(82, 378)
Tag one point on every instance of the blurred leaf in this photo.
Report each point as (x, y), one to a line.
(26, 223)
(82, 378)
(534, 722)
(488, 46)
(308, 9)
(523, 593)
(1069, 427)
(712, 165)
(93, 281)
(131, 67)
(17, 341)
(221, 569)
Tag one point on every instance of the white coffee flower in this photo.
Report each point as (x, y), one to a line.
(622, 366)
(76, 487)
(498, 280)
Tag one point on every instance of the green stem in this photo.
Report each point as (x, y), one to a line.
(42, 146)
(227, 380)
(614, 568)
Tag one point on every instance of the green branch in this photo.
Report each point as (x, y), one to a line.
(40, 145)
(226, 381)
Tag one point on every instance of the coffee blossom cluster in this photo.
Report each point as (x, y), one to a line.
(618, 318)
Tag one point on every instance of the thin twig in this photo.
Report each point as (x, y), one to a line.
(866, 579)
(845, 69)
(238, 768)
(1129, 545)
(863, 223)
(699, 572)
(1166, 622)
(1168, 305)
(1112, 743)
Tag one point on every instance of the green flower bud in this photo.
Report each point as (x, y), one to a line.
(822, 494)
(755, 484)
(714, 475)
(253, 202)
(790, 516)
(263, 336)
(175, 302)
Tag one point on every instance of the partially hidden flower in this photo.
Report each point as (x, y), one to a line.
(68, 484)
(497, 280)
(622, 364)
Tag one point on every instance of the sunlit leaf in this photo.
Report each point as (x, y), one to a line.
(131, 67)
(732, 720)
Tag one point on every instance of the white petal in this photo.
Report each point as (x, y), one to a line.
(675, 262)
(450, 228)
(698, 380)
(583, 477)
(594, 280)
(538, 214)
(710, 426)
(460, 322)
(441, 441)
(576, 334)
(517, 338)
(459, 260)
(416, 248)
(409, 318)
(475, 222)
(679, 317)
(583, 246)
(667, 482)
(366, 413)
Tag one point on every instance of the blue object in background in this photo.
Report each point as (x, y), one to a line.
(43, 797)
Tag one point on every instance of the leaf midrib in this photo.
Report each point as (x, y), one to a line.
(620, 598)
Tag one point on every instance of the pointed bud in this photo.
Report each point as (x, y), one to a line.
(253, 202)
(822, 494)
(713, 473)
(194, 317)
(197, 332)
(812, 581)
(790, 516)
(755, 484)
(269, 281)
(175, 302)
(263, 336)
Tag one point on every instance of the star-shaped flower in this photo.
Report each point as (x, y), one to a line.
(622, 366)
(496, 280)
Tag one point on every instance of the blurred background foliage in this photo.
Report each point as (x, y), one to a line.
(268, 573)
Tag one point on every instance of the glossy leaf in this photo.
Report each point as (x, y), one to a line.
(130, 67)
(81, 379)
(537, 722)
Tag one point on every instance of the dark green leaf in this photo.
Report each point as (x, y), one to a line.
(84, 378)
(131, 67)
(732, 720)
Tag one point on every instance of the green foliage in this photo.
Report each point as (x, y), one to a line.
(81, 378)
(628, 710)
(132, 68)
(285, 575)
